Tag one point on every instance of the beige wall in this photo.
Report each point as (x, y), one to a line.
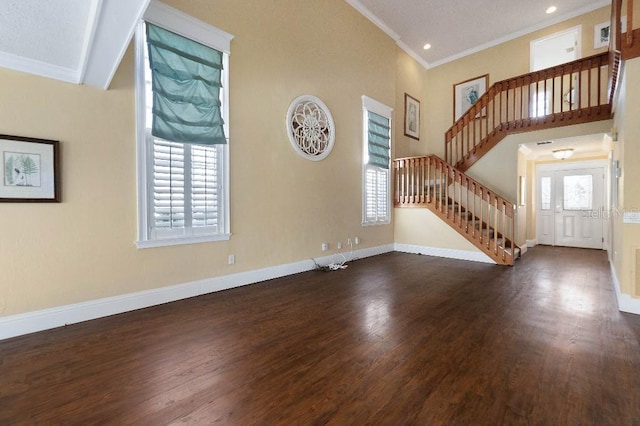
(626, 237)
(282, 207)
(521, 210)
(411, 78)
(421, 227)
(531, 201)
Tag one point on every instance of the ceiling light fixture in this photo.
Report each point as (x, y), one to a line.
(427, 46)
(551, 9)
(562, 154)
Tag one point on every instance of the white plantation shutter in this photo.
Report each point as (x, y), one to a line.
(382, 195)
(370, 194)
(376, 197)
(168, 185)
(186, 189)
(377, 150)
(205, 186)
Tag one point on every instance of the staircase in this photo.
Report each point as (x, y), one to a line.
(477, 213)
(574, 93)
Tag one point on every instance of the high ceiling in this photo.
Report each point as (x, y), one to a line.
(460, 27)
(82, 41)
(78, 41)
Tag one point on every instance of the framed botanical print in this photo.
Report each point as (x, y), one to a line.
(411, 117)
(601, 35)
(30, 170)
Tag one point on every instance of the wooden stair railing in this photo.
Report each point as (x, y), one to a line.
(577, 92)
(480, 215)
(573, 93)
(627, 43)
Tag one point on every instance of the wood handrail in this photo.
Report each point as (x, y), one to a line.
(630, 28)
(615, 31)
(475, 211)
(571, 93)
(627, 44)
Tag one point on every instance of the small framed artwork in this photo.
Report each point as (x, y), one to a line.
(30, 170)
(601, 34)
(411, 117)
(467, 93)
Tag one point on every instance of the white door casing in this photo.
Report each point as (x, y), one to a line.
(570, 204)
(555, 49)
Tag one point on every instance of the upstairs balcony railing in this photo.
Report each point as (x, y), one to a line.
(572, 93)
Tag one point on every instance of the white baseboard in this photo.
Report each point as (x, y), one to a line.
(443, 252)
(626, 303)
(532, 243)
(31, 322)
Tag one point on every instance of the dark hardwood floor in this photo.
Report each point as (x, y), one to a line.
(394, 339)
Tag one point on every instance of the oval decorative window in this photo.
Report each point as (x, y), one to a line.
(310, 127)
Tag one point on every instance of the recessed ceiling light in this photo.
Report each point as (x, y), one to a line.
(427, 46)
(552, 9)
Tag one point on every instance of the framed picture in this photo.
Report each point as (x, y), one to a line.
(467, 93)
(30, 170)
(411, 117)
(601, 34)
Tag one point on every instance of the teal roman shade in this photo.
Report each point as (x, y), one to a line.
(186, 82)
(379, 140)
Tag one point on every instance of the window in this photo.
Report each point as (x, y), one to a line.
(545, 193)
(183, 194)
(376, 198)
(578, 192)
(541, 104)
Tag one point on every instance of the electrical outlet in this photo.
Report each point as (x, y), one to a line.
(348, 241)
(356, 240)
(325, 246)
(339, 245)
(232, 259)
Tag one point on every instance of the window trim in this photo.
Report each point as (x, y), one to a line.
(187, 26)
(370, 104)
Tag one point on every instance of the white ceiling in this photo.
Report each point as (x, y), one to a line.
(78, 41)
(83, 41)
(583, 146)
(64, 22)
(461, 27)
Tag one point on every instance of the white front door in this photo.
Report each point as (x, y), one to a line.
(570, 205)
(579, 203)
